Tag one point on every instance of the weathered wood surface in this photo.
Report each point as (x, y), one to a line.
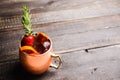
(70, 39)
(98, 64)
(13, 7)
(55, 10)
(87, 40)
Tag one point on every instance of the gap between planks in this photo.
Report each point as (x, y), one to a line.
(84, 49)
(64, 52)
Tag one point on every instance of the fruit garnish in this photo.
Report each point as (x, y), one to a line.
(41, 37)
(42, 42)
(28, 38)
(28, 50)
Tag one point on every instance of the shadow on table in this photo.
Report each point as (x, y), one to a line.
(16, 72)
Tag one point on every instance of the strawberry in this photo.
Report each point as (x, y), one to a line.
(28, 38)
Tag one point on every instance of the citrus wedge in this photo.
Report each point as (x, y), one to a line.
(28, 49)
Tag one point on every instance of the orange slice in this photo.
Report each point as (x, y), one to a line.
(28, 49)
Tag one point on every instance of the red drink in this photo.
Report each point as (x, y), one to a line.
(42, 43)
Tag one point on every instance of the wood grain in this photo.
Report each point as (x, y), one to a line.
(13, 7)
(57, 11)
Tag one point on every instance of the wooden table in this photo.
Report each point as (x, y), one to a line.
(86, 33)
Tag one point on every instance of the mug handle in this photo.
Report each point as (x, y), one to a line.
(54, 65)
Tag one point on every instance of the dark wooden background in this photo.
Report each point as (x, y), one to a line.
(86, 33)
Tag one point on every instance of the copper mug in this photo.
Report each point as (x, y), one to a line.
(37, 64)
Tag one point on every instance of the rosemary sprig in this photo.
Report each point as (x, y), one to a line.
(26, 20)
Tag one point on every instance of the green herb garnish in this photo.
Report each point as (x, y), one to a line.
(26, 20)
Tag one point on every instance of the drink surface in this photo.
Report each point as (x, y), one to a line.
(42, 47)
(41, 44)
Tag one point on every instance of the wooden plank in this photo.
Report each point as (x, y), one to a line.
(90, 39)
(108, 21)
(96, 9)
(13, 7)
(78, 26)
(98, 64)
(85, 27)
(81, 9)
